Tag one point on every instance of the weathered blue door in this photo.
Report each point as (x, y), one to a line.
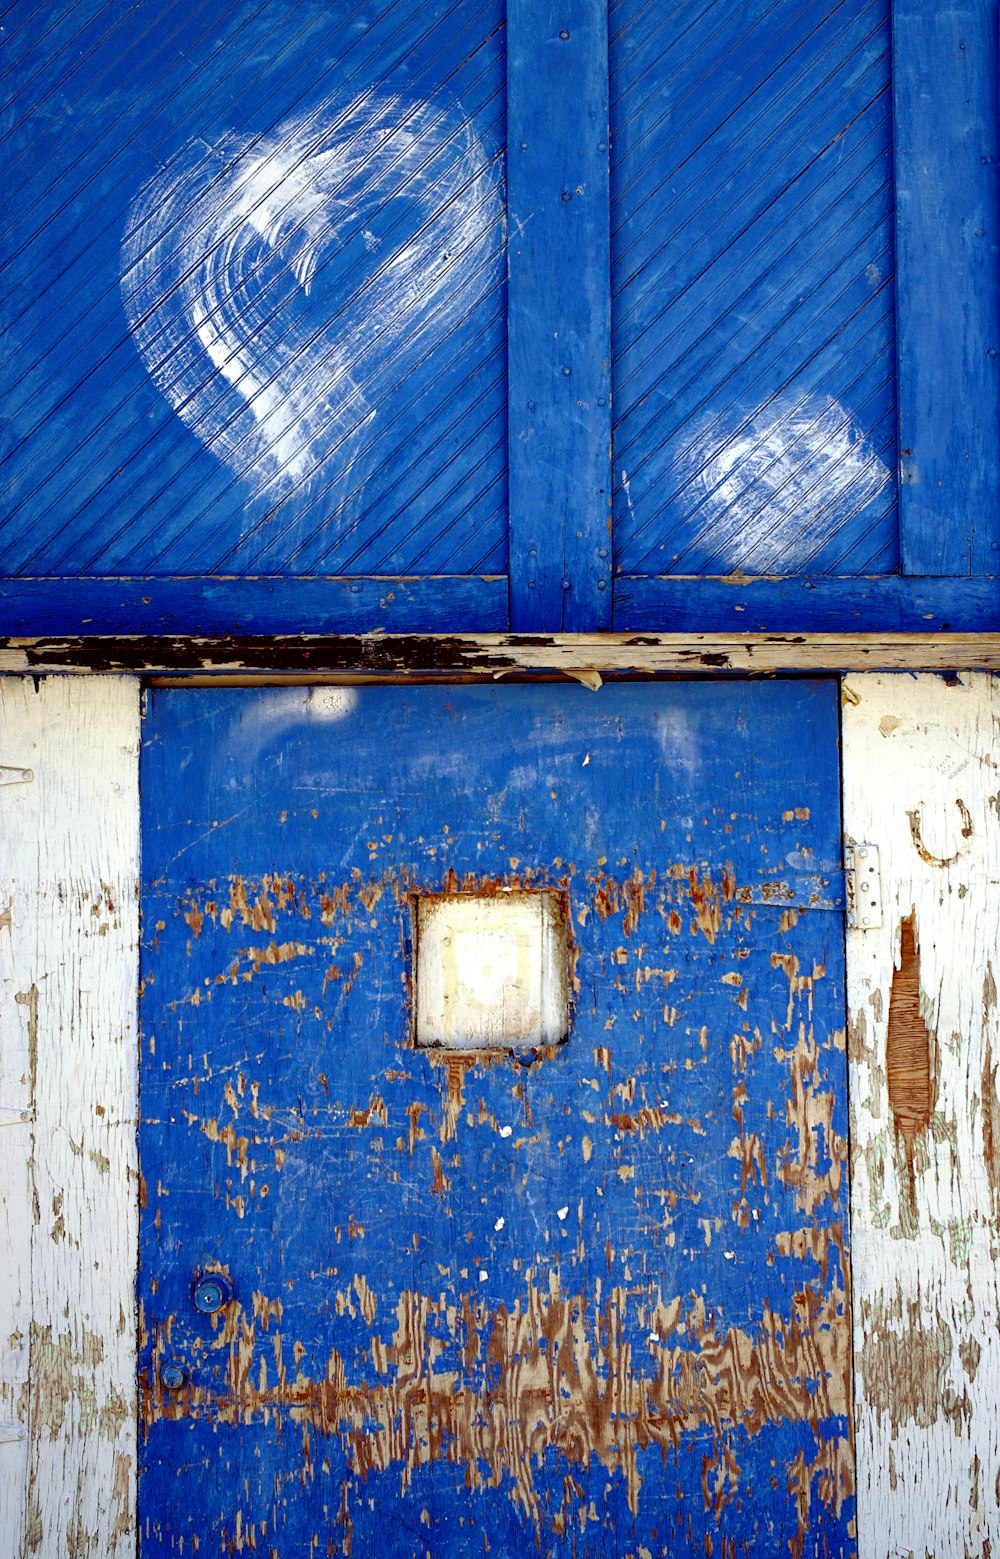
(581, 1291)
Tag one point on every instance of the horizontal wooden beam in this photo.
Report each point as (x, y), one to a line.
(253, 604)
(587, 657)
(818, 604)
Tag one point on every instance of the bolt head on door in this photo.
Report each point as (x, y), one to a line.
(211, 1293)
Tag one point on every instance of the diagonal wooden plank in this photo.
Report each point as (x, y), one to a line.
(752, 288)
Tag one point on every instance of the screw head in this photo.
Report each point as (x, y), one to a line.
(173, 1377)
(211, 1292)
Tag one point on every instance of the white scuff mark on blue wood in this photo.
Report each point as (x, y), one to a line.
(764, 489)
(273, 716)
(628, 492)
(269, 280)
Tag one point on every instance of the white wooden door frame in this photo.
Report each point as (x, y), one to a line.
(69, 939)
(922, 782)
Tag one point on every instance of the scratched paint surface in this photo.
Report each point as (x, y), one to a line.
(752, 283)
(257, 297)
(584, 1300)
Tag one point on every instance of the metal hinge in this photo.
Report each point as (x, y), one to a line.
(11, 775)
(864, 887)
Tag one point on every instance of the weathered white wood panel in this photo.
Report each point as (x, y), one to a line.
(69, 839)
(922, 782)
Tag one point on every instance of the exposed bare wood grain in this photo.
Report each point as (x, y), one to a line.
(921, 760)
(68, 975)
(499, 654)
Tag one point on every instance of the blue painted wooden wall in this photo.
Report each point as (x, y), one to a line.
(586, 1300)
(557, 315)
(256, 291)
(754, 339)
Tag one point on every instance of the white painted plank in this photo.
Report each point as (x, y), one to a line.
(18, 825)
(70, 870)
(922, 782)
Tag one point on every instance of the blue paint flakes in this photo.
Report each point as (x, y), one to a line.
(588, 1299)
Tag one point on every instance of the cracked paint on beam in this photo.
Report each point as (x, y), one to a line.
(583, 657)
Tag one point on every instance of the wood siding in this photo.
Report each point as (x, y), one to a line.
(69, 813)
(317, 314)
(921, 758)
(602, 1283)
(920, 765)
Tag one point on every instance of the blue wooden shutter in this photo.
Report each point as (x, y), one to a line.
(470, 315)
(753, 271)
(256, 316)
(804, 202)
(604, 1284)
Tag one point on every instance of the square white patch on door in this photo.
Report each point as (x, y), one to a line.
(491, 973)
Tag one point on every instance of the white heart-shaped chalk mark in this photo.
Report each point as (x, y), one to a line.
(267, 280)
(761, 488)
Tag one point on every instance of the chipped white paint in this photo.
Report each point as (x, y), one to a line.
(68, 1065)
(491, 972)
(266, 277)
(766, 492)
(922, 783)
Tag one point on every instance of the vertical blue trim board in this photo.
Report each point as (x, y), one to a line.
(947, 157)
(559, 333)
